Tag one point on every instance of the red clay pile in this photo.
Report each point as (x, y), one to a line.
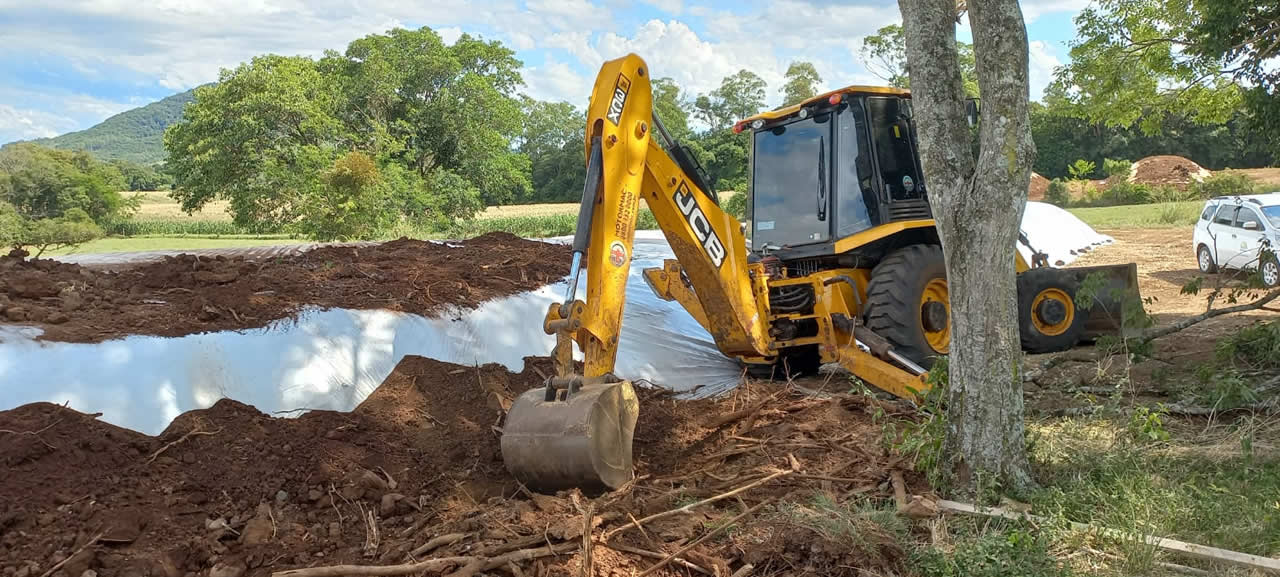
(1167, 170)
(190, 294)
(414, 475)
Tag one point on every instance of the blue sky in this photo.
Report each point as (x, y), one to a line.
(68, 64)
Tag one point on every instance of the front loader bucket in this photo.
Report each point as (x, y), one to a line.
(1114, 298)
(582, 439)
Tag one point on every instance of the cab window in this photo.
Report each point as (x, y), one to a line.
(892, 136)
(1208, 212)
(1248, 215)
(1226, 215)
(852, 188)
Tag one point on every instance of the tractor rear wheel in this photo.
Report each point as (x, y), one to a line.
(908, 303)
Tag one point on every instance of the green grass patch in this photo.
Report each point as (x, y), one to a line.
(1163, 215)
(1219, 493)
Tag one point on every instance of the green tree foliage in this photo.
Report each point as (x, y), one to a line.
(51, 198)
(1061, 138)
(135, 135)
(737, 205)
(885, 55)
(261, 138)
(43, 183)
(671, 107)
(72, 228)
(142, 177)
(12, 226)
(739, 96)
(802, 83)
(1145, 62)
(553, 139)
(276, 135)
(1130, 65)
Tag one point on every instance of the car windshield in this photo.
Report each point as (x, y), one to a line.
(1273, 214)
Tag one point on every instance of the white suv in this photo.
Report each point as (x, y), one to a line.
(1233, 231)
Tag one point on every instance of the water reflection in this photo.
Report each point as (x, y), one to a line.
(333, 359)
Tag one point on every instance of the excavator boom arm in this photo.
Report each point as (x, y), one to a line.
(624, 135)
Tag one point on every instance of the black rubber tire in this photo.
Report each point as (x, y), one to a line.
(1203, 256)
(1270, 268)
(893, 299)
(792, 363)
(1030, 284)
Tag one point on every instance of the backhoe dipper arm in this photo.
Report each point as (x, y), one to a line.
(626, 163)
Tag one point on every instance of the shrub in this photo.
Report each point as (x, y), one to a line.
(1081, 169)
(737, 205)
(72, 228)
(1058, 193)
(1224, 184)
(1172, 194)
(1123, 192)
(1117, 168)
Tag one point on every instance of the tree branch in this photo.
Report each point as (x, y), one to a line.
(1158, 332)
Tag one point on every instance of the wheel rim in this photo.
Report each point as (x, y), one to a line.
(1056, 328)
(1204, 260)
(936, 292)
(1271, 273)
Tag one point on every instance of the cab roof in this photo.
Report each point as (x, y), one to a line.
(851, 90)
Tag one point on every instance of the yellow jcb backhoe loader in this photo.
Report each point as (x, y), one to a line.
(844, 266)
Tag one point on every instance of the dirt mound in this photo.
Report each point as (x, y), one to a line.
(1039, 187)
(229, 491)
(190, 294)
(1167, 170)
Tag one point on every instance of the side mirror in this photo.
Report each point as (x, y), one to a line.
(1251, 225)
(971, 110)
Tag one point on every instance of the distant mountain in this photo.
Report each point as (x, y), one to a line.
(136, 135)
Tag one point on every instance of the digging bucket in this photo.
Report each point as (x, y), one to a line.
(573, 437)
(1114, 300)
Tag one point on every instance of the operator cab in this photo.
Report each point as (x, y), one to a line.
(832, 167)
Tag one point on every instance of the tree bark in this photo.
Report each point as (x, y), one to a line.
(978, 205)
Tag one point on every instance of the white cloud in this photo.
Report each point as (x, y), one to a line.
(25, 124)
(1042, 63)
(1032, 10)
(449, 34)
(555, 80)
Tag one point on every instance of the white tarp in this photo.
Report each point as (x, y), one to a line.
(333, 359)
(1058, 233)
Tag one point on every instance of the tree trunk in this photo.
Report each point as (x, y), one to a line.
(978, 206)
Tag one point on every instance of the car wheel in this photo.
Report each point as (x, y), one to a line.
(1205, 260)
(1271, 273)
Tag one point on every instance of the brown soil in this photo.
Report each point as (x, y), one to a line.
(1166, 263)
(1167, 170)
(1039, 187)
(229, 491)
(190, 294)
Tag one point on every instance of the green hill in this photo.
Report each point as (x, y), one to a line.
(135, 135)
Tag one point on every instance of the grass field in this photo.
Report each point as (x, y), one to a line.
(160, 224)
(1173, 214)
